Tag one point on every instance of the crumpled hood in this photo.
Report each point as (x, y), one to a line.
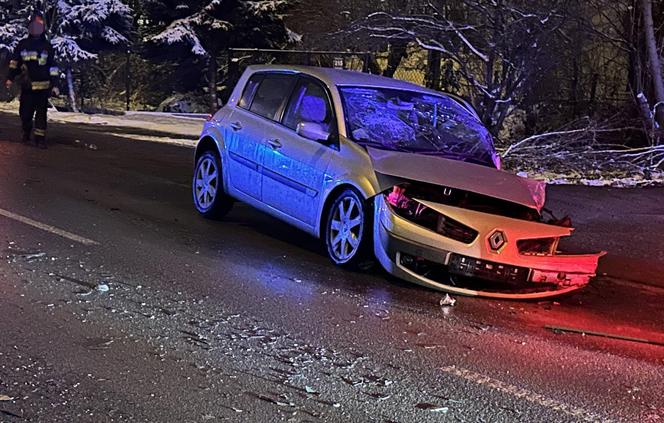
(456, 174)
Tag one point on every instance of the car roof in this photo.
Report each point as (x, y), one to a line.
(342, 77)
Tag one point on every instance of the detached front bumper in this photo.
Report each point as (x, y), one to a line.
(490, 266)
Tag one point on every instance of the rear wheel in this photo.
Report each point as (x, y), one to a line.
(207, 186)
(348, 230)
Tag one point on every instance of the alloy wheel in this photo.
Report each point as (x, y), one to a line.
(207, 183)
(346, 229)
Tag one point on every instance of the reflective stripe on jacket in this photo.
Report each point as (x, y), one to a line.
(35, 58)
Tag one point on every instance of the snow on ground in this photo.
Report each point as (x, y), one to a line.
(165, 140)
(627, 181)
(160, 123)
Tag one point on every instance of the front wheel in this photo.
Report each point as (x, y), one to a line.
(348, 230)
(207, 186)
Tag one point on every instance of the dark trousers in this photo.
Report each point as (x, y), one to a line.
(33, 107)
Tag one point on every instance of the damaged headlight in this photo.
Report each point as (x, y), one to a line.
(538, 247)
(410, 209)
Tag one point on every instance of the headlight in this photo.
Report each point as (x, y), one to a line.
(412, 210)
(538, 247)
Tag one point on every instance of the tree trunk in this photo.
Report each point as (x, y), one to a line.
(653, 59)
(433, 70)
(70, 90)
(397, 52)
(212, 84)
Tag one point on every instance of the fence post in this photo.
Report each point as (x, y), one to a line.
(433, 70)
(128, 80)
(232, 68)
(365, 65)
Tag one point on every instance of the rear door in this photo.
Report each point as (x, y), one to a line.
(294, 166)
(262, 101)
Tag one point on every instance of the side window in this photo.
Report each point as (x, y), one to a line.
(250, 91)
(309, 103)
(271, 94)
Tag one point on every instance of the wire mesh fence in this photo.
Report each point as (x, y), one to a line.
(237, 60)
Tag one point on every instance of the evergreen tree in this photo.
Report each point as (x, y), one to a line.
(204, 28)
(78, 29)
(14, 16)
(81, 29)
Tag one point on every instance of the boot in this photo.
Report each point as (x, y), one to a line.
(25, 138)
(41, 143)
(40, 138)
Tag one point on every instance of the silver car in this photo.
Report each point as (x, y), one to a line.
(381, 169)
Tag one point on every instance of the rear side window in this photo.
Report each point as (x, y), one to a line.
(271, 95)
(250, 91)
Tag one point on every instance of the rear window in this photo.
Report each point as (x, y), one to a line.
(272, 92)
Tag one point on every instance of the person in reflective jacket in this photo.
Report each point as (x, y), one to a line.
(33, 60)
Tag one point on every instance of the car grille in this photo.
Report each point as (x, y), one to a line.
(482, 269)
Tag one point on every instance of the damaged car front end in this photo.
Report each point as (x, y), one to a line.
(446, 216)
(471, 230)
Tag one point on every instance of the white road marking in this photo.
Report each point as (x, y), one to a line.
(523, 393)
(47, 228)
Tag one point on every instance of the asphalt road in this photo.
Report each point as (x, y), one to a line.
(118, 303)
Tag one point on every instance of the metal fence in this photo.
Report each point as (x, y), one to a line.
(415, 66)
(237, 60)
(412, 68)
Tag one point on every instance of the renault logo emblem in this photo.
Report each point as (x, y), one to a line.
(497, 241)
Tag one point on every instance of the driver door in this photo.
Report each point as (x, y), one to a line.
(294, 166)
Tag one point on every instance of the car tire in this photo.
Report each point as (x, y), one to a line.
(210, 199)
(349, 232)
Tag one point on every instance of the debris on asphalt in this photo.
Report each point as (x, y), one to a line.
(281, 402)
(5, 398)
(447, 301)
(379, 396)
(29, 257)
(98, 343)
(560, 329)
(102, 287)
(432, 407)
(311, 390)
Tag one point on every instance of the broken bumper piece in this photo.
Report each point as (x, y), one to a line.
(491, 265)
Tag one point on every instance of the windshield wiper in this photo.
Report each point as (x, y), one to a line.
(384, 147)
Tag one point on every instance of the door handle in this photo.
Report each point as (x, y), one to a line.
(236, 126)
(274, 143)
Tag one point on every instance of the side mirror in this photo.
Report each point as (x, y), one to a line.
(313, 131)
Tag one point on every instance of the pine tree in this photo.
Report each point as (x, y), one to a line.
(81, 29)
(13, 23)
(205, 28)
(78, 29)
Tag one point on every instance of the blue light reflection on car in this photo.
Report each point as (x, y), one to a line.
(415, 122)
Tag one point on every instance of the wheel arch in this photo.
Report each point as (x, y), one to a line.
(206, 143)
(331, 196)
